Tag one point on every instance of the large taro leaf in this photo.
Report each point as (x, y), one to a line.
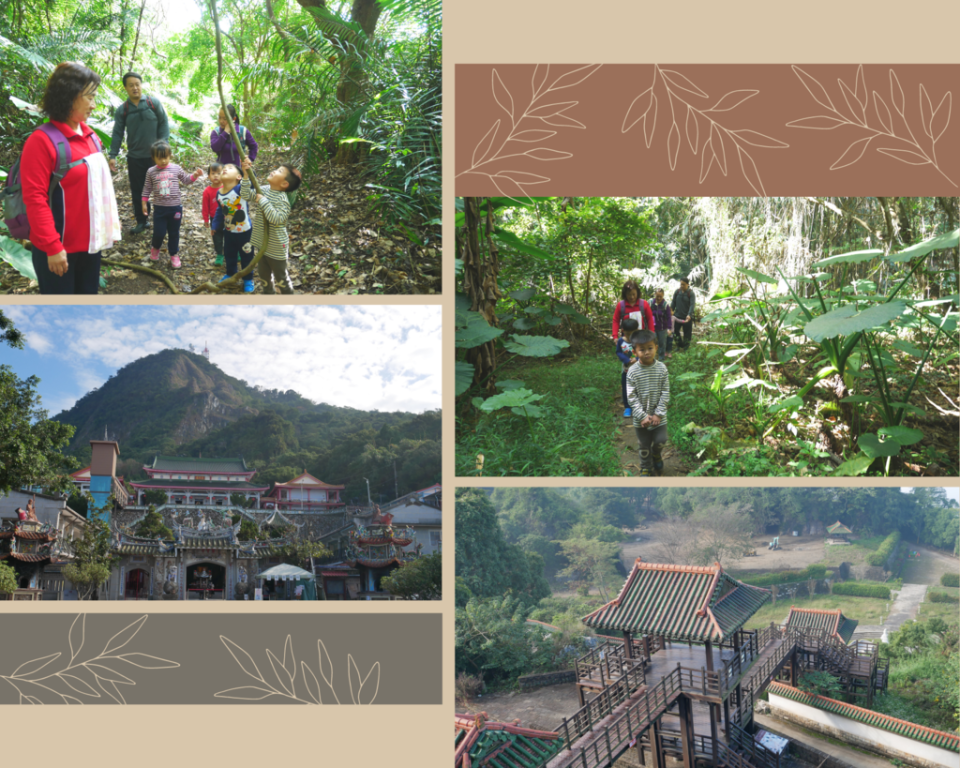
(563, 309)
(17, 256)
(849, 258)
(939, 242)
(513, 398)
(523, 324)
(536, 346)
(477, 331)
(462, 305)
(870, 444)
(508, 384)
(757, 276)
(464, 377)
(531, 411)
(855, 466)
(846, 320)
(525, 295)
(903, 435)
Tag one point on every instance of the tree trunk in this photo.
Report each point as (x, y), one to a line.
(133, 55)
(480, 284)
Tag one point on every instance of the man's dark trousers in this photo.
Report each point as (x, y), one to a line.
(137, 168)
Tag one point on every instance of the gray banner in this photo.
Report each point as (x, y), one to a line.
(185, 658)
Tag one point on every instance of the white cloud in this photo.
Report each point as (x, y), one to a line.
(350, 356)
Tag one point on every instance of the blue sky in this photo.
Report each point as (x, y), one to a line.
(368, 357)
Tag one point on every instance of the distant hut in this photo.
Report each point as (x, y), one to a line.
(839, 532)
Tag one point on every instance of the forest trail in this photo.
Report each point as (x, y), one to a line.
(628, 452)
(337, 243)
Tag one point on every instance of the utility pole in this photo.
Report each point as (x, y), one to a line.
(369, 500)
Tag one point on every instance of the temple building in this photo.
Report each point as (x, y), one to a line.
(305, 494)
(36, 535)
(834, 623)
(200, 481)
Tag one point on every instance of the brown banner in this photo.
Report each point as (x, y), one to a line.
(707, 130)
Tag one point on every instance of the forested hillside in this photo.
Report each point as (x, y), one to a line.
(178, 403)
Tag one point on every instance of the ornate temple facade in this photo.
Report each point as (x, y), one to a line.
(188, 481)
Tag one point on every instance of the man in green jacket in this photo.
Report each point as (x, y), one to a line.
(144, 120)
(683, 305)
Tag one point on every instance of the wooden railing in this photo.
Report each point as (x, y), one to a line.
(608, 661)
(617, 735)
(757, 754)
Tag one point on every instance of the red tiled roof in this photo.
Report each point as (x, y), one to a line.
(679, 602)
(942, 739)
(27, 558)
(35, 535)
(834, 622)
(502, 745)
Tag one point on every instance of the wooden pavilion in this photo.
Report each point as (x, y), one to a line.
(834, 623)
(839, 531)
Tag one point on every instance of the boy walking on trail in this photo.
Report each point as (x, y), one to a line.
(273, 204)
(145, 122)
(648, 390)
(683, 305)
(625, 352)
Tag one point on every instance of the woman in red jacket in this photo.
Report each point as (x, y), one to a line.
(67, 239)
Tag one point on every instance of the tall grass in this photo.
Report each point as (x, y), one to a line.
(575, 436)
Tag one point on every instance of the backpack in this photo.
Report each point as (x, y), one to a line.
(126, 107)
(622, 306)
(14, 209)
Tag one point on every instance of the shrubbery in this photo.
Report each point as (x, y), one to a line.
(936, 596)
(886, 549)
(816, 571)
(861, 589)
(950, 580)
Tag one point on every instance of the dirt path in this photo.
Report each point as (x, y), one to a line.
(905, 606)
(928, 566)
(540, 709)
(338, 244)
(628, 450)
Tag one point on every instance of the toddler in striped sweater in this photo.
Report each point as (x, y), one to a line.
(648, 391)
(163, 184)
(274, 205)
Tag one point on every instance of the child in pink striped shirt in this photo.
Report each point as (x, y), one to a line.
(163, 184)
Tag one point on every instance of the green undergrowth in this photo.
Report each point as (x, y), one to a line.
(573, 435)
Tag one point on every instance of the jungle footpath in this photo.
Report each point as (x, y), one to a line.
(338, 244)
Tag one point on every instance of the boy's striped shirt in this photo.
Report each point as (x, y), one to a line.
(648, 391)
(276, 208)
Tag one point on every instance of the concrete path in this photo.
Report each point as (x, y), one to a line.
(904, 608)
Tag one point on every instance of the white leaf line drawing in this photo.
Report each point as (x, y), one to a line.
(549, 114)
(933, 121)
(714, 150)
(106, 677)
(286, 674)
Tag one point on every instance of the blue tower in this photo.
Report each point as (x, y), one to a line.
(103, 473)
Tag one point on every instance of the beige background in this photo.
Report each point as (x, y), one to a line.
(493, 31)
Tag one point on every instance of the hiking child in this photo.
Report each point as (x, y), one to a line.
(631, 305)
(163, 184)
(274, 205)
(624, 351)
(648, 390)
(209, 209)
(662, 323)
(683, 304)
(221, 141)
(233, 216)
(145, 122)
